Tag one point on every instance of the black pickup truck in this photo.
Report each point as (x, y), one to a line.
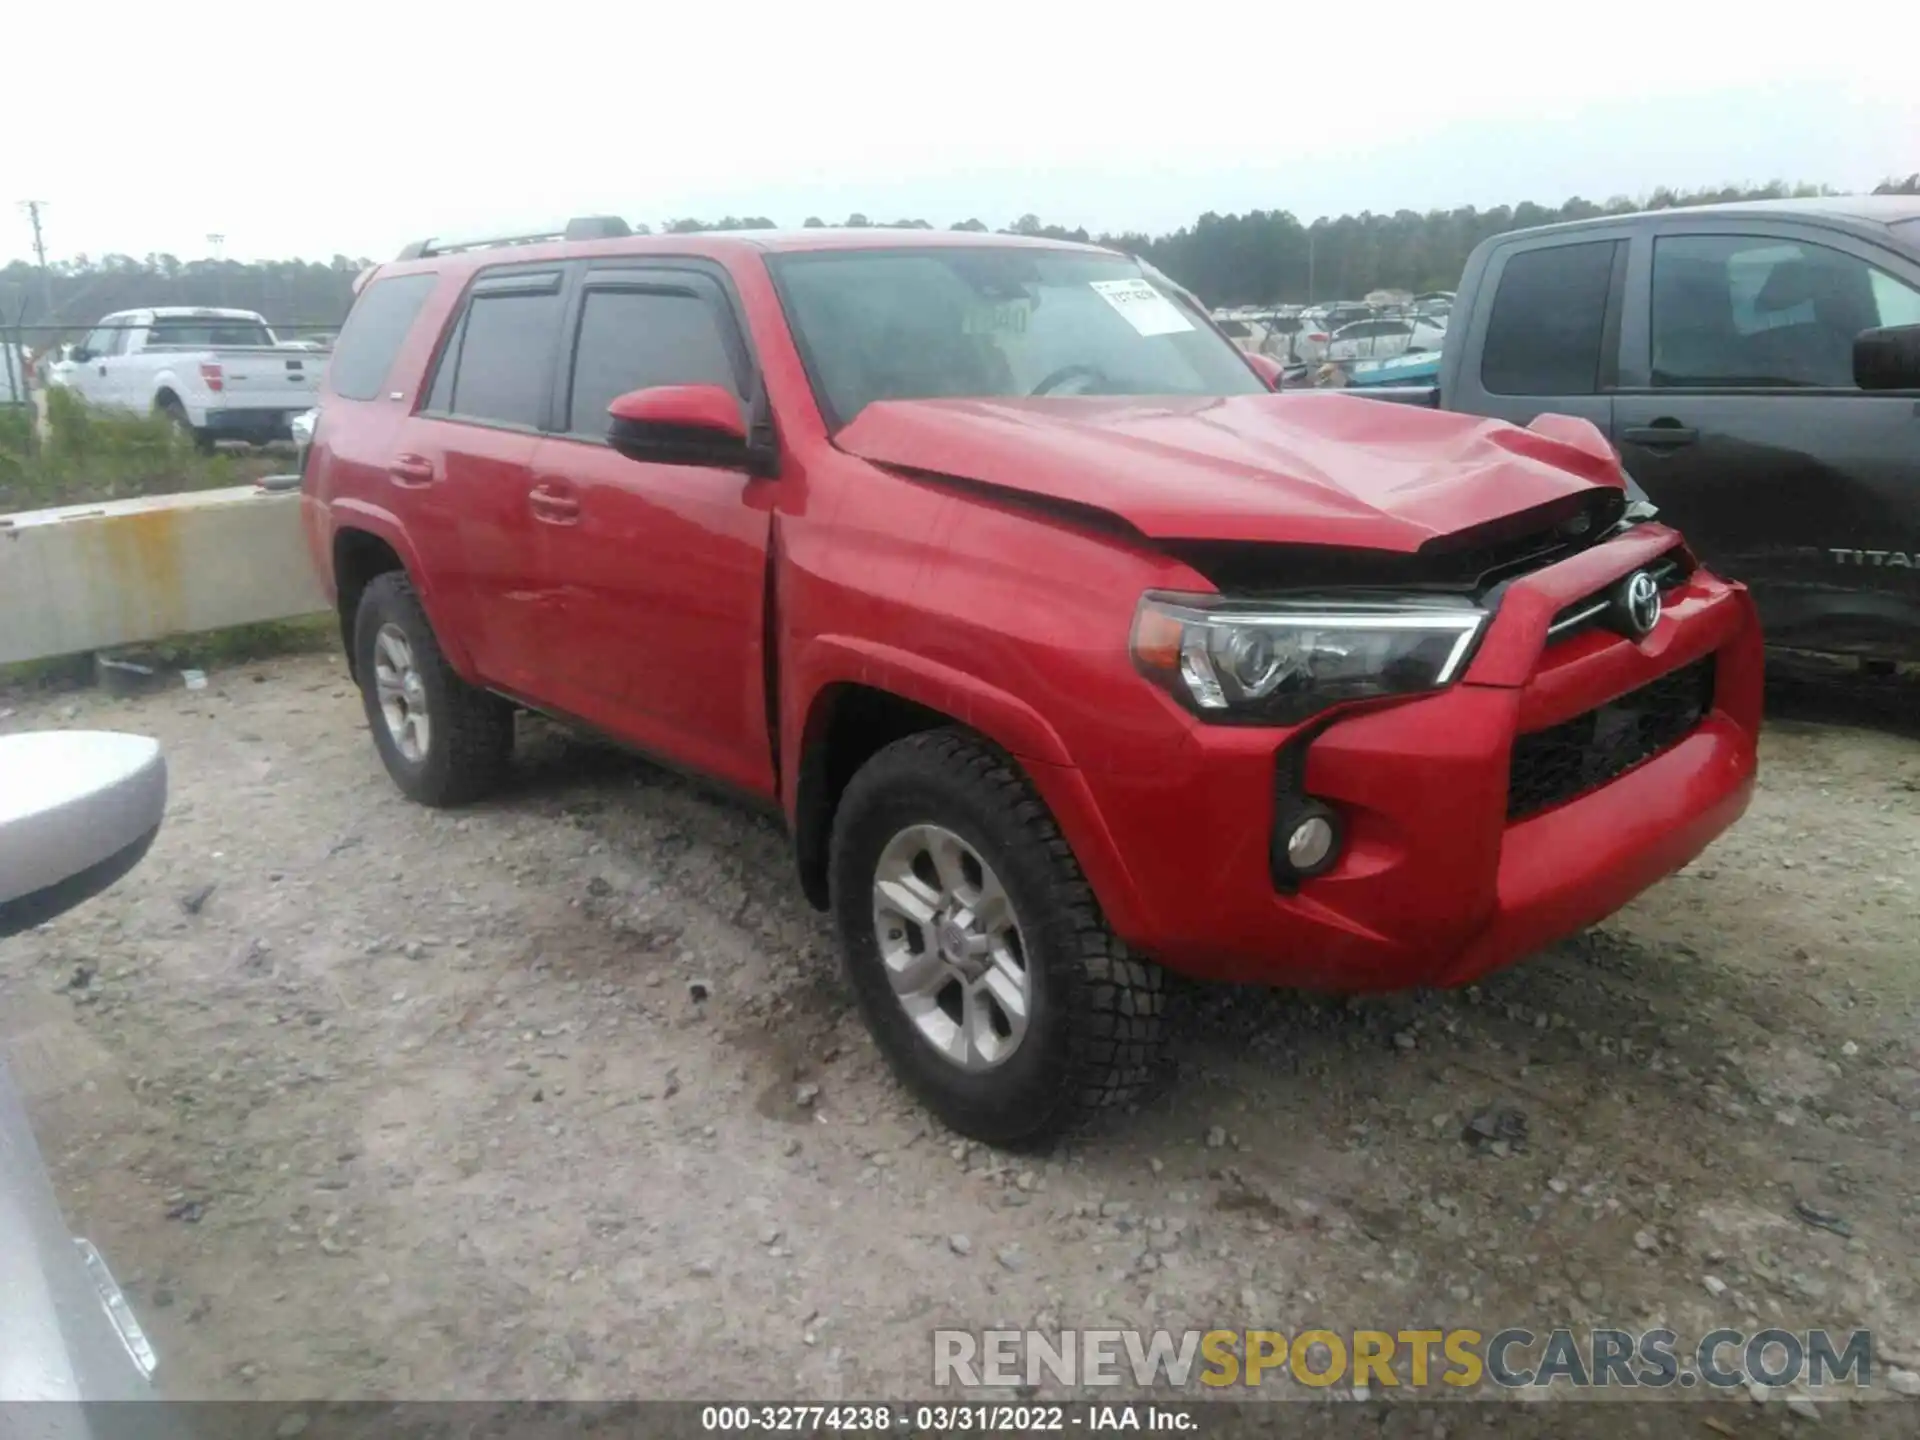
(1757, 367)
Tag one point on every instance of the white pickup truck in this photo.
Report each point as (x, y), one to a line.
(217, 374)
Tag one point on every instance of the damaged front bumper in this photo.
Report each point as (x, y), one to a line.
(1475, 828)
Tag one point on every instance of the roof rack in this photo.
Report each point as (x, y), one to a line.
(581, 227)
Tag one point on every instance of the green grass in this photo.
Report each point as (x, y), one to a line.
(89, 454)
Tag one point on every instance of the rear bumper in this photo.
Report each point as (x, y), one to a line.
(251, 424)
(1435, 885)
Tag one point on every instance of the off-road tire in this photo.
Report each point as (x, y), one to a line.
(470, 742)
(1095, 1028)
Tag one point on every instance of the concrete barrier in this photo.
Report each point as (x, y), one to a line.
(90, 577)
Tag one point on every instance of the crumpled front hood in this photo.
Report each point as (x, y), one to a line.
(1314, 469)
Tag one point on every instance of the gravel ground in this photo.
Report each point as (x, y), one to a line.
(562, 1096)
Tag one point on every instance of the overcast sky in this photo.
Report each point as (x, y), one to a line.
(354, 127)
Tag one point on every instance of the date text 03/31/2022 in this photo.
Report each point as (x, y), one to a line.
(906, 1419)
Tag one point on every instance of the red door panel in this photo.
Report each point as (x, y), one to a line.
(659, 636)
(481, 543)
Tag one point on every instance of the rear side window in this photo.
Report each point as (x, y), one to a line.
(631, 339)
(207, 334)
(501, 358)
(381, 317)
(1549, 316)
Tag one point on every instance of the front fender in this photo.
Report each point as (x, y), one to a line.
(1006, 720)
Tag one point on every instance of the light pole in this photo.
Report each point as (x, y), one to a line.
(33, 209)
(219, 244)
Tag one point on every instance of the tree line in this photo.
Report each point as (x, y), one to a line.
(1261, 257)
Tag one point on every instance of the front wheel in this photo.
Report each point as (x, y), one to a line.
(443, 741)
(976, 949)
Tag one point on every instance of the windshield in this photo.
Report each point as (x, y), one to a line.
(975, 322)
(208, 333)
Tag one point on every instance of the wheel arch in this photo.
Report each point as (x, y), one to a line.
(870, 697)
(366, 543)
(359, 556)
(847, 724)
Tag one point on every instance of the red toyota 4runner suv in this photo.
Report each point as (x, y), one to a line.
(1066, 648)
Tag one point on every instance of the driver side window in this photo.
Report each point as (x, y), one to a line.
(1757, 312)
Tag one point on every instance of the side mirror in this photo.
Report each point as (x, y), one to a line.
(78, 809)
(681, 425)
(1887, 358)
(79, 355)
(1268, 368)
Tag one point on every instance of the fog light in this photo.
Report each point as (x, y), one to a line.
(1310, 844)
(1307, 836)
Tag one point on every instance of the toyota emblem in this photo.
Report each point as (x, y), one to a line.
(1638, 604)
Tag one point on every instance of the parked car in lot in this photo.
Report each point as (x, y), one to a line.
(1383, 339)
(1321, 325)
(1284, 329)
(217, 374)
(1263, 332)
(1247, 335)
(1308, 344)
(1338, 317)
(1758, 368)
(1064, 647)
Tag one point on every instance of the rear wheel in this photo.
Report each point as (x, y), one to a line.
(976, 949)
(443, 741)
(172, 410)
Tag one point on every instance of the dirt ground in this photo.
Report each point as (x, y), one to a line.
(416, 1104)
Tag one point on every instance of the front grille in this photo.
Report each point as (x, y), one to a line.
(1577, 755)
(1591, 610)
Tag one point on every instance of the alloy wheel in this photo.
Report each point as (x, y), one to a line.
(402, 693)
(952, 946)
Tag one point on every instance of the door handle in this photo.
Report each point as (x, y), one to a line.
(411, 471)
(553, 506)
(103, 369)
(1660, 435)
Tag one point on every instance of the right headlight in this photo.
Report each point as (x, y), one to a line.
(1278, 662)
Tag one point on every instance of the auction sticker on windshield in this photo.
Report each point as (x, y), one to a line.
(1144, 307)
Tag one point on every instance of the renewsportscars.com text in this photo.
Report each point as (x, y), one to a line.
(1510, 1358)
